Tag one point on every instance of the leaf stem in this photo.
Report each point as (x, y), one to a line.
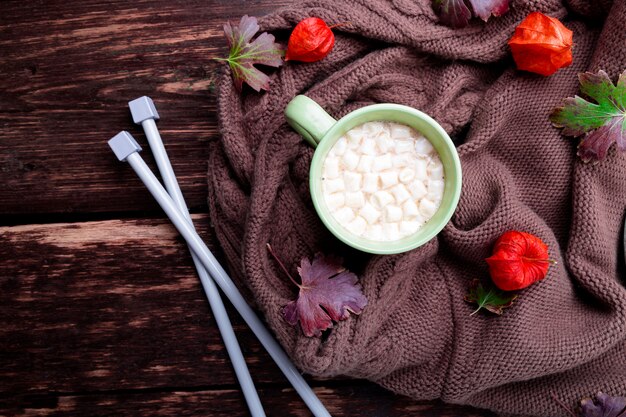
(282, 266)
(476, 311)
(562, 404)
(550, 261)
(339, 24)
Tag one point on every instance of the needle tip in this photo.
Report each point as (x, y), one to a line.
(123, 145)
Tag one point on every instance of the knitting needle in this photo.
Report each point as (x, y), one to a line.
(126, 149)
(144, 113)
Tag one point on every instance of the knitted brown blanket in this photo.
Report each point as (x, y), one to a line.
(566, 334)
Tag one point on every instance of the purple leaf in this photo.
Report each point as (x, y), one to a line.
(603, 406)
(453, 13)
(243, 54)
(597, 143)
(328, 293)
(240, 35)
(456, 13)
(485, 8)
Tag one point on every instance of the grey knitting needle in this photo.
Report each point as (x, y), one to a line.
(126, 149)
(144, 113)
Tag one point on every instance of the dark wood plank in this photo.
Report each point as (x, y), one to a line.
(68, 70)
(109, 305)
(366, 400)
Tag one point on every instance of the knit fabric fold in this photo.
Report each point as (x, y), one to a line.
(565, 334)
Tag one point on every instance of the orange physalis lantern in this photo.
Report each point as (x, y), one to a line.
(519, 259)
(311, 40)
(541, 44)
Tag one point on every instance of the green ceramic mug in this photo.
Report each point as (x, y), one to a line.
(321, 131)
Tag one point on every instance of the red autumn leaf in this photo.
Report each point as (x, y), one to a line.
(457, 13)
(311, 40)
(328, 293)
(541, 44)
(519, 259)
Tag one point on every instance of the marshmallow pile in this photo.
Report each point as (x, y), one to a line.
(382, 181)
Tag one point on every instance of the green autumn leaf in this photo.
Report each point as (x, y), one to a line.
(490, 299)
(603, 122)
(243, 54)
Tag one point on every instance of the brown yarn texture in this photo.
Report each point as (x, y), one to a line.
(567, 333)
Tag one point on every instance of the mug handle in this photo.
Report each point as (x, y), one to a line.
(309, 119)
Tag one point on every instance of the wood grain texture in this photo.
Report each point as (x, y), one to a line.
(366, 400)
(109, 305)
(67, 72)
(116, 306)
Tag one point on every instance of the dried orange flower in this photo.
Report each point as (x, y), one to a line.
(541, 44)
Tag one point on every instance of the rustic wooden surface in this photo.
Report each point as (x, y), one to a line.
(100, 310)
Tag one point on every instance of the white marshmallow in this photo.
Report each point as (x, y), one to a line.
(423, 146)
(403, 146)
(406, 175)
(420, 219)
(365, 163)
(374, 232)
(339, 148)
(335, 201)
(381, 198)
(370, 182)
(344, 215)
(352, 181)
(369, 213)
(418, 189)
(389, 178)
(427, 208)
(333, 185)
(399, 131)
(408, 227)
(393, 213)
(435, 198)
(391, 231)
(331, 167)
(421, 169)
(402, 160)
(354, 143)
(382, 162)
(435, 170)
(357, 226)
(384, 142)
(409, 209)
(436, 187)
(355, 134)
(400, 193)
(355, 199)
(373, 128)
(368, 147)
(350, 159)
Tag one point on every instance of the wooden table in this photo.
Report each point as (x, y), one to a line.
(101, 312)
